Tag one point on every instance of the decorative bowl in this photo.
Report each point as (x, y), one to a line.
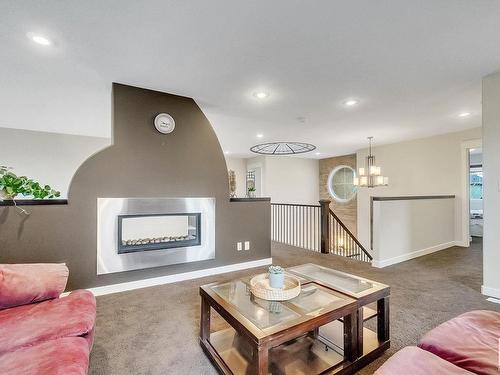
(260, 288)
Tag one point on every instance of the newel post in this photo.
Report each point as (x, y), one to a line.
(325, 224)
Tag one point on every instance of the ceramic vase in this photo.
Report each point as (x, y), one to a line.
(276, 280)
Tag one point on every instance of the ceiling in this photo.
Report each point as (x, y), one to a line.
(413, 66)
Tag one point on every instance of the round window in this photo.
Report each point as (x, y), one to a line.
(340, 183)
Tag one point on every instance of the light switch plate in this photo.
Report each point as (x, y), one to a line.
(239, 246)
(247, 245)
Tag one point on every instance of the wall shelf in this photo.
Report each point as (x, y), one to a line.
(265, 199)
(34, 202)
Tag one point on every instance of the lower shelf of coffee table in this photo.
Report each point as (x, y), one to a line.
(305, 355)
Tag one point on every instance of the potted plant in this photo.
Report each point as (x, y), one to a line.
(251, 192)
(12, 186)
(276, 277)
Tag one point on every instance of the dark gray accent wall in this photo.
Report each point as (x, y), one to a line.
(141, 163)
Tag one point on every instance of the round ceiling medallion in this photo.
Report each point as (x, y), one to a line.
(282, 148)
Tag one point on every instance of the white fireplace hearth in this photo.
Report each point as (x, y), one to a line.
(138, 233)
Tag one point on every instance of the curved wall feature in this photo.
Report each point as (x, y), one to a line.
(141, 163)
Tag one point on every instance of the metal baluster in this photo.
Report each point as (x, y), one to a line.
(306, 217)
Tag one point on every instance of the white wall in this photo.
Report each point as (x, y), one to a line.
(239, 166)
(491, 170)
(50, 158)
(427, 166)
(289, 179)
(405, 229)
(476, 158)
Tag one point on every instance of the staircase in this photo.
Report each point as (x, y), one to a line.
(316, 228)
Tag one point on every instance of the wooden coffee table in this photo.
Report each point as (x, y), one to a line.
(320, 331)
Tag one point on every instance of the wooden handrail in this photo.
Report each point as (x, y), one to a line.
(350, 234)
(295, 204)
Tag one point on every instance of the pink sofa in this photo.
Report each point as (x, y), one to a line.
(467, 344)
(415, 361)
(41, 333)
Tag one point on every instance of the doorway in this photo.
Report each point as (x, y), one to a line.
(476, 192)
(470, 148)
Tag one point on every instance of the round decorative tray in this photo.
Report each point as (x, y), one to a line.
(259, 285)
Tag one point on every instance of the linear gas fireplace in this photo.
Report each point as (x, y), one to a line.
(135, 233)
(158, 231)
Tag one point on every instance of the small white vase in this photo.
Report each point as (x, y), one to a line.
(4, 195)
(277, 280)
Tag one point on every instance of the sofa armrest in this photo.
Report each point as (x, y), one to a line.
(21, 284)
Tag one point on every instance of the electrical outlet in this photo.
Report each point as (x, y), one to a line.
(239, 246)
(247, 245)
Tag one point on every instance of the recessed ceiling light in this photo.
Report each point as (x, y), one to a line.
(226, 152)
(318, 153)
(260, 135)
(351, 102)
(464, 114)
(261, 94)
(40, 39)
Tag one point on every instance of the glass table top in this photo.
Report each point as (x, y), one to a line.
(338, 280)
(262, 313)
(312, 300)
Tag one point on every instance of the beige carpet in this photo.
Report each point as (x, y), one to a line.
(155, 330)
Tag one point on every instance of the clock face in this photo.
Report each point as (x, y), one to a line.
(164, 123)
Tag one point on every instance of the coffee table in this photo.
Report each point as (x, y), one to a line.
(319, 331)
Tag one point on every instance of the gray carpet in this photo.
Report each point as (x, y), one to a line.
(155, 330)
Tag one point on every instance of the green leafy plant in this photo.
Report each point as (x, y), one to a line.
(276, 269)
(252, 189)
(12, 186)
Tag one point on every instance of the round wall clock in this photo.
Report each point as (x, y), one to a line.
(164, 123)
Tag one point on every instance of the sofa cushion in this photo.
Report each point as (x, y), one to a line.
(469, 341)
(65, 356)
(21, 284)
(414, 361)
(29, 325)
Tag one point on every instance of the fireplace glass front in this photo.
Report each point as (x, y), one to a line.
(158, 231)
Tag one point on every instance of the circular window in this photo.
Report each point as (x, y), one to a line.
(340, 183)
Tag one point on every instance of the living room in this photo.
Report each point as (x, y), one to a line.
(249, 188)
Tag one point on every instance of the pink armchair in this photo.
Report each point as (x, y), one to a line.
(41, 333)
(467, 344)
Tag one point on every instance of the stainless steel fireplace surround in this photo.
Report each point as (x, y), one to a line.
(137, 233)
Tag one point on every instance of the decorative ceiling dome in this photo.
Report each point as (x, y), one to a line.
(282, 148)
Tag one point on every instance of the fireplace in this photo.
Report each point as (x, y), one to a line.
(158, 231)
(136, 233)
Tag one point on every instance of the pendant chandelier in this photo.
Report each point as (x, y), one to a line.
(369, 176)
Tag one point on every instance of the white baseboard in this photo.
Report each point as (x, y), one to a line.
(463, 243)
(131, 285)
(414, 254)
(491, 292)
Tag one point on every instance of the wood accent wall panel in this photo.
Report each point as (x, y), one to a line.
(347, 212)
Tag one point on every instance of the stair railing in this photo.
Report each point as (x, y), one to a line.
(315, 227)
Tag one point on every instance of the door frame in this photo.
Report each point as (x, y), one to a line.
(465, 230)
